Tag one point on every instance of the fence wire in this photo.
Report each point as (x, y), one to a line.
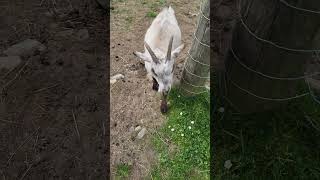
(305, 77)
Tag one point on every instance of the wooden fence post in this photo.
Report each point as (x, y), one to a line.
(197, 64)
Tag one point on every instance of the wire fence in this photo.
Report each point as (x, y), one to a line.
(305, 77)
(309, 91)
(185, 68)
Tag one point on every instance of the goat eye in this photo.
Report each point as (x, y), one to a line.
(154, 72)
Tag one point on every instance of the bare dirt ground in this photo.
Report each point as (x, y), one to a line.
(133, 102)
(53, 105)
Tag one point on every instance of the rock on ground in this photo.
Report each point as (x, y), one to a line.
(227, 164)
(137, 128)
(9, 62)
(141, 133)
(114, 78)
(25, 48)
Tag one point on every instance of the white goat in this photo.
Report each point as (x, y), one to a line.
(162, 46)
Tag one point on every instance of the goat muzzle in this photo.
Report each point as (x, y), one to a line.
(164, 105)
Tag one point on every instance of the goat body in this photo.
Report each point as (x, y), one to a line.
(163, 28)
(162, 46)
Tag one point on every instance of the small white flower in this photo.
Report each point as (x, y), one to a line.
(172, 129)
(178, 95)
(189, 127)
(181, 113)
(182, 135)
(192, 122)
(169, 126)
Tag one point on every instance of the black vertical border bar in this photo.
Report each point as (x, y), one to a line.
(212, 99)
(107, 129)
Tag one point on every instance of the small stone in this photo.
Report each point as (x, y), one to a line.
(112, 81)
(9, 62)
(221, 109)
(131, 129)
(141, 133)
(137, 128)
(118, 76)
(114, 78)
(82, 34)
(27, 47)
(227, 164)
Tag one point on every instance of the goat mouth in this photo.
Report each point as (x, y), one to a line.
(164, 106)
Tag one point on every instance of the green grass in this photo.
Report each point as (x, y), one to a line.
(151, 14)
(154, 7)
(120, 11)
(123, 171)
(183, 143)
(278, 145)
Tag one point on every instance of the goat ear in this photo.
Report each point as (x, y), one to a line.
(176, 52)
(142, 56)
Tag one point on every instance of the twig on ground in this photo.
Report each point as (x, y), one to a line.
(45, 88)
(76, 125)
(148, 171)
(22, 144)
(160, 137)
(227, 132)
(25, 173)
(9, 121)
(16, 76)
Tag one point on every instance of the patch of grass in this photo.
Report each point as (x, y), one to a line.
(123, 171)
(282, 144)
(162, 2)
(154, 5)
(119, 10)
(151, 14)
(183, 143)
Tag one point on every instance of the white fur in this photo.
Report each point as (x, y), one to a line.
(158, 35)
